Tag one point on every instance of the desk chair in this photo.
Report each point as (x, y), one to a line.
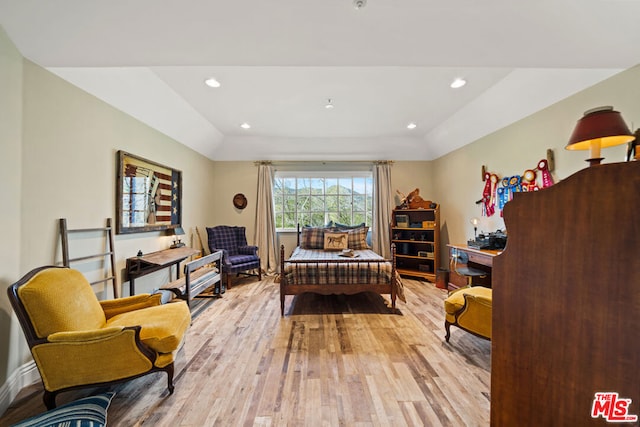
(461, 257)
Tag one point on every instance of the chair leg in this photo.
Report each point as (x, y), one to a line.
(49, 399)
(259, 273)
(447, 327)
(228, 281)
(169, 370)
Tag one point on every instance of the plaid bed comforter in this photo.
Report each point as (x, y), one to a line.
(319, 267)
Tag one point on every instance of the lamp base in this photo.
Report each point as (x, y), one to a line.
(594, 161)
(176, 245)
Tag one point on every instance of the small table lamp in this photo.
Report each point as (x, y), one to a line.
(175, 232)
(474, 222)
(599, 128)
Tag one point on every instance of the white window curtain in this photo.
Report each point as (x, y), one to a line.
(265, 238)
(382, 206)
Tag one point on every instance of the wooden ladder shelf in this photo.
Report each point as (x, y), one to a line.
(109, 253)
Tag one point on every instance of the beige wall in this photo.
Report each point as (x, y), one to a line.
(12, 345)
(70, 143)
(58, 145)
(406, 176)
(231, 178)
(510, 151)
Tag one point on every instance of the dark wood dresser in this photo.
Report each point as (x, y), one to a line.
(566, 301)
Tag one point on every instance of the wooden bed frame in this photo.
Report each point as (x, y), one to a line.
(336, 289)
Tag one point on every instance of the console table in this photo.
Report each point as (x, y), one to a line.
(154, 261)
(481, 259)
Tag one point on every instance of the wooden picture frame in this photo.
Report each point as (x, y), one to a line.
(149, 195)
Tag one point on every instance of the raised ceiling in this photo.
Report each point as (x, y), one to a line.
(383, 66)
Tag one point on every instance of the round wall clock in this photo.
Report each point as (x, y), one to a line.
(239, 201)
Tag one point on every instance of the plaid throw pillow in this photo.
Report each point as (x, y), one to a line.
(358, 238)
(312, 238)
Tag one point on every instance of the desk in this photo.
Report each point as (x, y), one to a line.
(481, 259)
(154, 261)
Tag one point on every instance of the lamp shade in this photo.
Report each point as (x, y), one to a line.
(603, 126)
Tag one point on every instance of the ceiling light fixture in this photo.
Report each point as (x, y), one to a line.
(212, 82)
(245, 125)
(412, 125)
(328, 105)
(359, 4)
(458, 83)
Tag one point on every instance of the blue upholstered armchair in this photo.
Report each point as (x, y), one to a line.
(237, 256)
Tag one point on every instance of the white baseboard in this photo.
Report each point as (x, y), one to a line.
(25, 375)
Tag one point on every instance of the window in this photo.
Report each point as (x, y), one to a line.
(136, 199)
(315, 199)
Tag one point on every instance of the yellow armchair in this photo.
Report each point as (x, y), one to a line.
(78, 341)
(469, 308)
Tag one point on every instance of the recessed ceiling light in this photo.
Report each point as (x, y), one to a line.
(359, 4)
(245, 125)
(457, 83)
(412, 125)
(212, 82)
(328, 105)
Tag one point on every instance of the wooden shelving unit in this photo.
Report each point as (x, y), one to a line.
(416, 234)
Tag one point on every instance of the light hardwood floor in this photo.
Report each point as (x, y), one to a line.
(331, 361)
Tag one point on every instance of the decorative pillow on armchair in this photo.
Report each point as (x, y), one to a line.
(87, 412)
